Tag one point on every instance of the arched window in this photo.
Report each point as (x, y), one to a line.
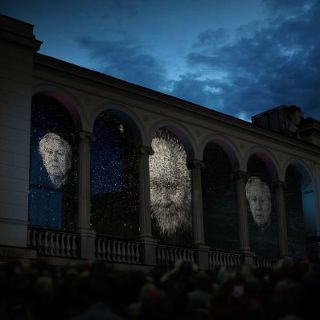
(114, 178)
(53, 174)
(170, 189)
(219, 199)
(263, 221)
(301, 210)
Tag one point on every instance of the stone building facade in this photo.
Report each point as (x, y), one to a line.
(220, 153)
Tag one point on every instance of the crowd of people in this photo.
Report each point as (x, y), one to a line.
(289, 291)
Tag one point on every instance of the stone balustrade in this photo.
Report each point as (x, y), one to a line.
(54, 243)
(226, 259)
(167, 255)
(117, 250)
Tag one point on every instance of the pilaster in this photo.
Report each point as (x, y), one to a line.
(242, 206)
(149, 244)
(282, 221)
(87, 236)
(17, 48)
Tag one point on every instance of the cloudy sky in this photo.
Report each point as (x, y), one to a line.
(239, 57)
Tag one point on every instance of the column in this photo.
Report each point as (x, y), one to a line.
(84, 194)
(241, 179)
(197, 204)
(149, 245)
(197, 214)
(282, 221)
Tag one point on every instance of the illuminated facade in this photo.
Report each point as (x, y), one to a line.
(92, 167)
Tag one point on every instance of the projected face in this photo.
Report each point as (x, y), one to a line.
(55, 153)
(169, 184)
(259, 198)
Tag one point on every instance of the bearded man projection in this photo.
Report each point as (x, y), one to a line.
(170, 187)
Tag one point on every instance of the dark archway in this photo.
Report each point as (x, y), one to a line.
(114, 176)
(219, 198)
(300, 209)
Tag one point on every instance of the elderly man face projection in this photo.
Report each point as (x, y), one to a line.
(55, 153)
(169, 185)
(259, 198)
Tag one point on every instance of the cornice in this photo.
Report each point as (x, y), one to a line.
(151, 97)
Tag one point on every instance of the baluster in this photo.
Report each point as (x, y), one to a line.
(70, 248)
(43, 242)
(63, 245)
(170, 253)
(31, 238)
(125, 251)
(167, 257)
(46, 242)
(135, 252)
(165, 253)
(73, 246)
(97, 246)
(102, 248)
(129, 252)
(74, 249)
(108, 244)
(119, 250)
(67, 245)
(173, 254)
(139, 248)
(159, 255)
(50, 245)
(126, 255)
(39, 242)
(58, 244)
(184, 252)
(114, 251)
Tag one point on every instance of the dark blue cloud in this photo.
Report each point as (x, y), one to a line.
(126, 60)
(278, 62)
(207, 37)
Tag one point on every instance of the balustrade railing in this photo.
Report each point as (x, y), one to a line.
(117, 250)
(168, 255)
(264, 262)
(225, 259)
(65, 244)
(54, 243)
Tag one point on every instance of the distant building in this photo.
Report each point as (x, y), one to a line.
(75, 179)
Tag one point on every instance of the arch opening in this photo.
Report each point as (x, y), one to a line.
(53, 165)
(261, 204)
(300, 208)
(219, 198)
(170, 188)
(114, 176)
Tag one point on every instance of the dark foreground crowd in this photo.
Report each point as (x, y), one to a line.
(289, 291)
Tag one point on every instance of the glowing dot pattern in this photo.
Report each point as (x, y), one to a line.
(114, 179)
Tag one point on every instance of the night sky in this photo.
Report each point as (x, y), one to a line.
(237, 57)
